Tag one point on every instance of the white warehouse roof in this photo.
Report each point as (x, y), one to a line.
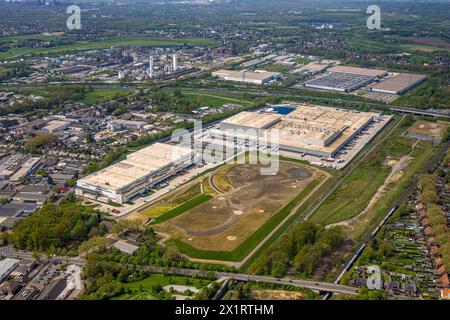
(138, 166)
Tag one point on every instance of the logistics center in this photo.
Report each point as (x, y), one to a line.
(314, 130)
(139, 172)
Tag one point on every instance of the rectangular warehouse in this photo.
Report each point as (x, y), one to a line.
(254, 77)
(250, 120)
(399, 83)
(360, 71)
(340, 81)
(136, 174)
(319, 131)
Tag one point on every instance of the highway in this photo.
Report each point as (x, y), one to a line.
(379, 105)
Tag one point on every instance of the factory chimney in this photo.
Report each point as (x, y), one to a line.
(175, 62)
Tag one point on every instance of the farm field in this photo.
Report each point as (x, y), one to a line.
(231, 223)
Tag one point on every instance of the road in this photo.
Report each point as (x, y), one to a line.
(9, 252)
(313, 285)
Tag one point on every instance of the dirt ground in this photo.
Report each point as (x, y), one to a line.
(430, 129)
(224, 222)
(262, 294)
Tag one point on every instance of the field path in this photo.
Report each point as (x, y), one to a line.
(396, 173)
(211, 183)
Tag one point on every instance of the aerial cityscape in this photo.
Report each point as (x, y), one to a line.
(224, 150)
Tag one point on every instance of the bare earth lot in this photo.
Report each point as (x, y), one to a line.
(224, 222)
(428, 129)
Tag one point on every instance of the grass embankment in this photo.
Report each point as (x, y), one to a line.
(251, 242)
(183, 208)
(220, 179)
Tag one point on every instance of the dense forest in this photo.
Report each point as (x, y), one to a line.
(56, 227)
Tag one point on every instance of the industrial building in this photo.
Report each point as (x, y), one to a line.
(125, 247)
(139, 172)
(54, 126)
(6, 267)
(255, 77)
(314, 130)
(340, 81)
(16, 166)
(345, 79)
(399, 83)
(311, 68)
(119, 125)
(360, 71)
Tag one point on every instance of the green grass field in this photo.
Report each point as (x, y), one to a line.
(103, 44)
(99, 96)
(142, 290)
(183, 208)
(421, 153)
(302, 60)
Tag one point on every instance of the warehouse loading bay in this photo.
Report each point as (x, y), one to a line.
(348, 151)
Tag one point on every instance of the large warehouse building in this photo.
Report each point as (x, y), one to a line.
(340, 81)
(314, 130)
(399, 84)
(345, 79)
(360, 71)
(133, 176)
(254, 77)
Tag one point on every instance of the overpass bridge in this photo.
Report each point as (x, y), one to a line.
(420, 112)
